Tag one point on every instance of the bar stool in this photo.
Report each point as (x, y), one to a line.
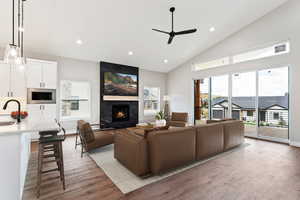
(50, 150)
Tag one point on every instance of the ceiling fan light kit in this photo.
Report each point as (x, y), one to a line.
(172, 34)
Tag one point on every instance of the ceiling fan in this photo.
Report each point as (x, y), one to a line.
(172, 34)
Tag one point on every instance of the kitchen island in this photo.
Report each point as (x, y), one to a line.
(15, 140)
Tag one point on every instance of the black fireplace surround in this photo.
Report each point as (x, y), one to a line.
(117, 114)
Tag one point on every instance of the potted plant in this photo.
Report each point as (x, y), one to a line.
(160, 118)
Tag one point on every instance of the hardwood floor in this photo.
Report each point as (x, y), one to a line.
(262, 170)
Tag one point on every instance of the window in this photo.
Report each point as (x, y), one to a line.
(269, 51)
(250, 113)
(151, 100)
(276, 115)
(211, 64)
(273, 50)
(75, 100)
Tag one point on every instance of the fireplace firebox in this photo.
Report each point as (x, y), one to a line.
(120, 113)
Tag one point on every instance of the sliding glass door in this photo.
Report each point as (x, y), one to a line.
(219, 97)
(259, 98)
(273, 103)
(243, 101)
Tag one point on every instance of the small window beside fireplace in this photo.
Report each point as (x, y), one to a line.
(120, 113)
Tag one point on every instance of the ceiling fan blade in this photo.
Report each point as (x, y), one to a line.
(170, 39)
(186, 32)
(161, 31)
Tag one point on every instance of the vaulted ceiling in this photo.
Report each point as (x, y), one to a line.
(110, 29)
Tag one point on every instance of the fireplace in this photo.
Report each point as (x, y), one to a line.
(120, 113)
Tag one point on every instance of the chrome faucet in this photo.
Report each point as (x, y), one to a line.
(19, 108)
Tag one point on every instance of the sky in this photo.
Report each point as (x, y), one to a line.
(272, 82)
(133, 77)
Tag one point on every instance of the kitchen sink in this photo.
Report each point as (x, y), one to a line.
(8, 123)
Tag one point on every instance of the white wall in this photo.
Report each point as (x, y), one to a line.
(280, 25)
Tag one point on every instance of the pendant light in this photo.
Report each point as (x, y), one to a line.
(21, 60)
(12, 51)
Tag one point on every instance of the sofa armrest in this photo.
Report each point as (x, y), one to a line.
(171, 149)
(233, 134)
(132, 151)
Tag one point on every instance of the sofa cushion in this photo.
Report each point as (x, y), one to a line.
(143, 132)
(210, 140)
(172, 148)
(160, 128)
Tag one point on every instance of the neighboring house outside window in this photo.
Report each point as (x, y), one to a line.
(273, 110)
(250, 113)
(151, 100)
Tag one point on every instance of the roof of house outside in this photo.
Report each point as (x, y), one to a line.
(248, 103)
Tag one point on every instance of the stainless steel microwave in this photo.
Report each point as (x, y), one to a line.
(41, 96)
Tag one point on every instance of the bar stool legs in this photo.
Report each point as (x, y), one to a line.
(50, 151)
(39, 176)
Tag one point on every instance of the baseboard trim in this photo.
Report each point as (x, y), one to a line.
(295, 144)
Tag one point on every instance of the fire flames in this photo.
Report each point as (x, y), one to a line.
(120, 115)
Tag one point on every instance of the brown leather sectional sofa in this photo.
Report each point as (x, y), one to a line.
(160, 151)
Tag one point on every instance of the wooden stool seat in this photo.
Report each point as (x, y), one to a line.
(57, 138)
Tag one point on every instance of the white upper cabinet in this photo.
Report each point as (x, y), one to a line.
(34, 74)
(41, 74)
(5, 80)
(49, 75)
(17, 82)
(13, 82)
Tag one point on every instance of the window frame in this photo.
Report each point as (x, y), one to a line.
(152, 111)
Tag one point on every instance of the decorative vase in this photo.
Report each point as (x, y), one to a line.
(161, 122)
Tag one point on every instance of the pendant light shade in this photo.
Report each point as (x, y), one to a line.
(12, 52)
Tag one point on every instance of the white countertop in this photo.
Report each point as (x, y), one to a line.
(26, 127)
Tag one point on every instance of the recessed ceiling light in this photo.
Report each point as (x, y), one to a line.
(130, 53)
(79, 42)
(212, 29)
(166, 61)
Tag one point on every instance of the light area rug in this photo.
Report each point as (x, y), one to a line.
(125, 180)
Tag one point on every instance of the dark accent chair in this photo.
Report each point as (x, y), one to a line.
(178, 119)
(92, 139)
